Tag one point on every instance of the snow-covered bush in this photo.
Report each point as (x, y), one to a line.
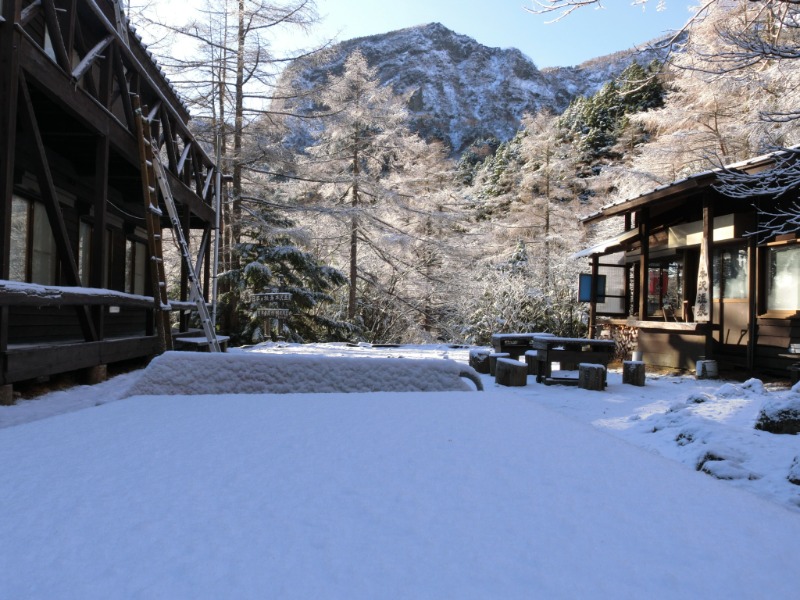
(781, 415)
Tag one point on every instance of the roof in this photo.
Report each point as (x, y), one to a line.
(697, 181)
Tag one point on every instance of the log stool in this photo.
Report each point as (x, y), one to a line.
(493, 360)
(633, 372)
(532, 360)
(511, 372)
(591, 377)
(479, 359)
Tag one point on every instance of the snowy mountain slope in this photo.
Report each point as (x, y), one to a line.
(459, 90)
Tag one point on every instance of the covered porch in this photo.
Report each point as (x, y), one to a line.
(689, 277)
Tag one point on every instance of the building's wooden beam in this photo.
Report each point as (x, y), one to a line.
(643, 220)
(47, 189)
(10, 10)
(56, 37)
(182, 160)
(91, 57)
(29, 13)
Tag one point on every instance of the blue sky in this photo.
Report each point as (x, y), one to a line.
(585, 34)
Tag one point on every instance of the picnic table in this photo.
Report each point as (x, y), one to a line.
(550, 349)
(516, 344)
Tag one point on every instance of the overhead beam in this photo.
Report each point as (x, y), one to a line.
(91, 57)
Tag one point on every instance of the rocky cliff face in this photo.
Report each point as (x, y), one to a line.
(459, 90)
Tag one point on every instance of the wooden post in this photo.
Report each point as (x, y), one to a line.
(752, 300)
(708, 245)
(9, 70)
(6, 395)
(99, 248)
(593, 295)
(644, 261)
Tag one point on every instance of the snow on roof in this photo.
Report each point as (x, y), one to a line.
(740, 165)
(193, 373)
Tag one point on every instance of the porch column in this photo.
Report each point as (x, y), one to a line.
(707, 246)
(9, 70)
(752, 301)
(593, 296)
(643, 221)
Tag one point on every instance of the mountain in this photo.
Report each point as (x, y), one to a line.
(459, 90)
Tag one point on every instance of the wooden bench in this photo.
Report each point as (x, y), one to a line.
(199, 343)
(573, 351)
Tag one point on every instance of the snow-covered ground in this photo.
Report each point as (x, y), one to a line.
(534, 492)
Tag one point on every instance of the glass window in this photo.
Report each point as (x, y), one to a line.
(139, 269)
(20, 218)
(43, 251)
(135, 265)
(84, 251)
(665, 289)
(729, 273)
(783, 280)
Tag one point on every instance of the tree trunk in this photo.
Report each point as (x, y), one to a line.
(351, 304)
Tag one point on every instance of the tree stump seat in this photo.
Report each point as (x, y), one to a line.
(511, 372)
(493, 358)
(591, 377)
(633, 372)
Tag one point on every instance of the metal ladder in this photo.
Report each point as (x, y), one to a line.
(195, 294)
(152, 174)
(152, 215)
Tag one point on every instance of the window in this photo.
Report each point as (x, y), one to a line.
(135, 264)
(783, 278)
(33, 248)
(43, 249)
(20, 219)
(729, 273)
(665, 288)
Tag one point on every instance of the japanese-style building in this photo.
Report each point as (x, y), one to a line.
(695, 274)
(76, 290)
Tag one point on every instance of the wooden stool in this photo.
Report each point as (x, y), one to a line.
(633, 372)
(532, 360)
(591, 377)
(511, 372)
(493, 361)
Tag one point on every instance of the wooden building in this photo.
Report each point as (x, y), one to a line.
(694, 274)
(76, 290)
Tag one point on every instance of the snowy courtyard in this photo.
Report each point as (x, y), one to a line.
(542, 491)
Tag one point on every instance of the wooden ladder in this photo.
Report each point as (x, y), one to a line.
(152, 215)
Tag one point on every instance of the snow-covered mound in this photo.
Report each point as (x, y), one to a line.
(192, 373)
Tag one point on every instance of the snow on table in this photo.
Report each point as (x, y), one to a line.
(448, 495)
(251, 373)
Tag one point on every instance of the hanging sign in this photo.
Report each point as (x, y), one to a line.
(702, 306)
(274, 297)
